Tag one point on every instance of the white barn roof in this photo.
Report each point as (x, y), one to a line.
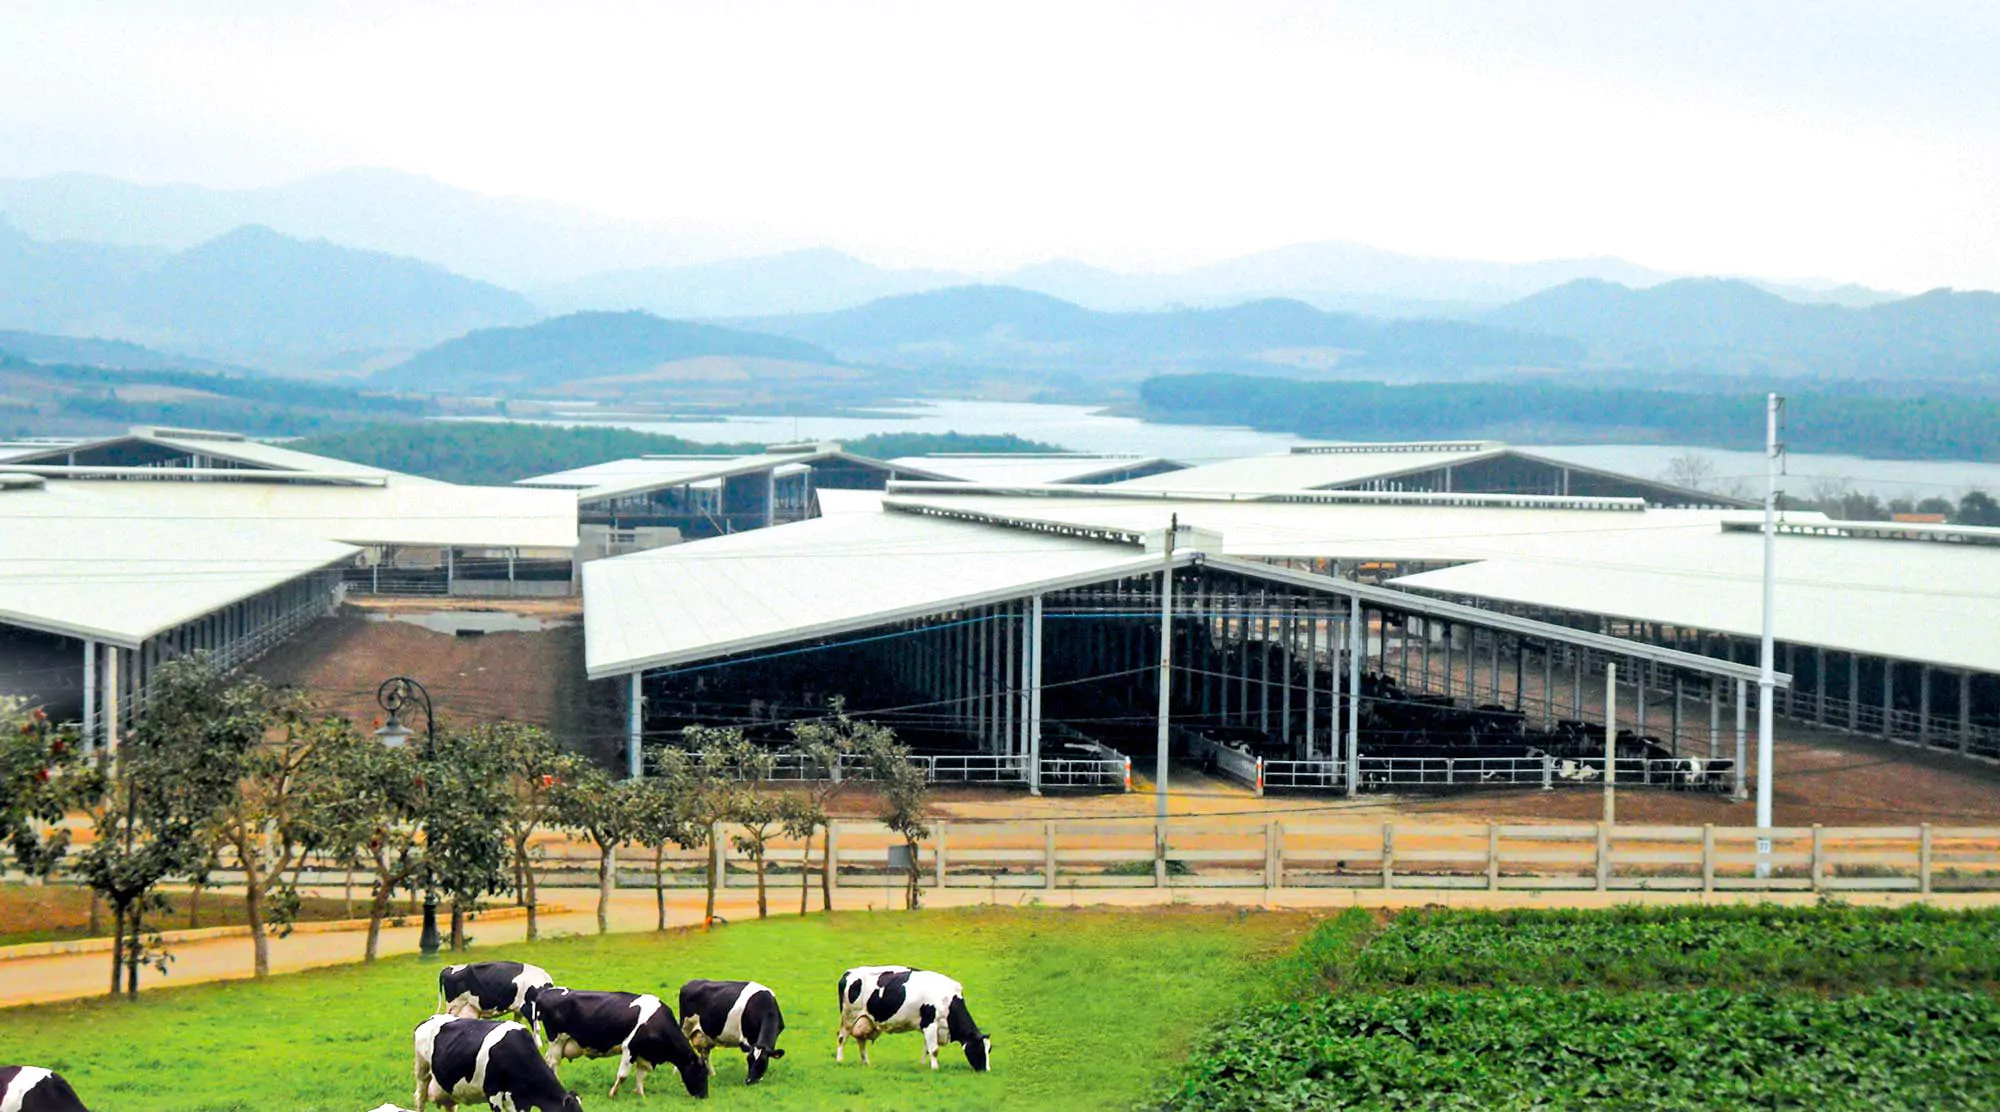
(1930, 601)
(626, 477)
(1029, 469)
(816, 578)
(73, 562)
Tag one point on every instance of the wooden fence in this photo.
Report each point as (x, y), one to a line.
(1291, 854)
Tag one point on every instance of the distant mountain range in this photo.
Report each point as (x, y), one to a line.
(817, 280)
(580, 346)
(1001, 326)
(1719, 326)
(250, 295)
(77, 351)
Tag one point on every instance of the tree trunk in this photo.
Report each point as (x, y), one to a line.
(763, 908)
(194, 908)
(827, 865)
(253, 914)
(534, 898)
(607, 878)
(660, 884)
(805, 873)
(117, 945)
(378, 910)
(708, 918)
(457, 925)
(914, 900)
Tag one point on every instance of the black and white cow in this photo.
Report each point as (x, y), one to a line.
(34, 1089)
(481, 1062)
(742, 1014)
(485, 989)
(877, 1000)
(636, 1027)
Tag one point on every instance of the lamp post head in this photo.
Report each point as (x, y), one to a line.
(393, 733)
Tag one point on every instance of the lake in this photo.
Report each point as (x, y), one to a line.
(1089, 429)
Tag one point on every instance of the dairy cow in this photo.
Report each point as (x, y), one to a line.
(636, 1027)
(481, 1062)
(742, 1014)
(34, 1089)
(485, 989)
(884, 999)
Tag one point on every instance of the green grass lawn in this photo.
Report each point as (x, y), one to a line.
(1087, 1009)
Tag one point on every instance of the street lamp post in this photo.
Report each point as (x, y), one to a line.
(393, 696)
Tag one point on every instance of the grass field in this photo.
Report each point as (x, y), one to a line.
(1087, 1010)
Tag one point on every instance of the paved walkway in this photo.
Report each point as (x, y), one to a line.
(75, 976)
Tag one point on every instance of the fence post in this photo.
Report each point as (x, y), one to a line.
(1450, 770)
(1708, 857)
(1492, 856)
(721, 851)
(1548, 773)
(1260, 778)
(1818, 868)
(1159, 855)
(1274, 854)
(1049, 856)
(939, 851)
(1924, 860)
(1388, 855)
(1603, 855)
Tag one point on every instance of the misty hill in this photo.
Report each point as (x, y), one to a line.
(583, 346)
(251, 295)
(79, 351)
(816, 280)
(1000, 326)
(513, 241)
(1734, 327)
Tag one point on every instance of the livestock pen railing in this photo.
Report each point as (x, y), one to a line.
(1083, 766)
(1306, 854)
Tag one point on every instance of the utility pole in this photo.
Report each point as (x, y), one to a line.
(1166, 666)
(1610, 741)
(1767, 658)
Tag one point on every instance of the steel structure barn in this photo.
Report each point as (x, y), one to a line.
(1033, 640)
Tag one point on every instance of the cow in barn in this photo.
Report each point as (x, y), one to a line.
(880, 1000)
(34, 1089)
(637, 1027)
(485, 989)
(742, 1014)
(487, 1063)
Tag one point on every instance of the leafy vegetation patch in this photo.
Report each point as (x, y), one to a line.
(1672, 1007)
(1635, 947)
(1528, 1048)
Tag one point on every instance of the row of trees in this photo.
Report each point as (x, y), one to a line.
(236, 773)
(1834, 497)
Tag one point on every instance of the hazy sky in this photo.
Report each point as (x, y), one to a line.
(1847, 140)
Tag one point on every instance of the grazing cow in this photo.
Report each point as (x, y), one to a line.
(880, 1000)
(480, 1061)
(742, 1014)
(34, 1089)
(638, 1028)
(485, 989)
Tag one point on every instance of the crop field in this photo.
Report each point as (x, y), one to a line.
(1087, 1010)
(1687, 1007)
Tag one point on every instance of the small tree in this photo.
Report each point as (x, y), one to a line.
(821, 745)
(466, 855)
(759, 817)
(366, 808)
(534, 768)
(658, 822)
(43, 777)
(708, 774)
(607, 812)
(172, 775)
(905, 797)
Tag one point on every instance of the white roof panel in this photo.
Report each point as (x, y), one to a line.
(1343, 530)
(816, 578)
(73, 562)
(1310, 470)
(1911, 600)
(1026, 469)
(423, 513)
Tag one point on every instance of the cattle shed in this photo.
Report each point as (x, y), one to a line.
(1024, 650)
(632, 504)
(1431, 467)
(417, 536)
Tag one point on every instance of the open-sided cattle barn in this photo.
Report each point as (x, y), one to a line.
(1001, 641)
